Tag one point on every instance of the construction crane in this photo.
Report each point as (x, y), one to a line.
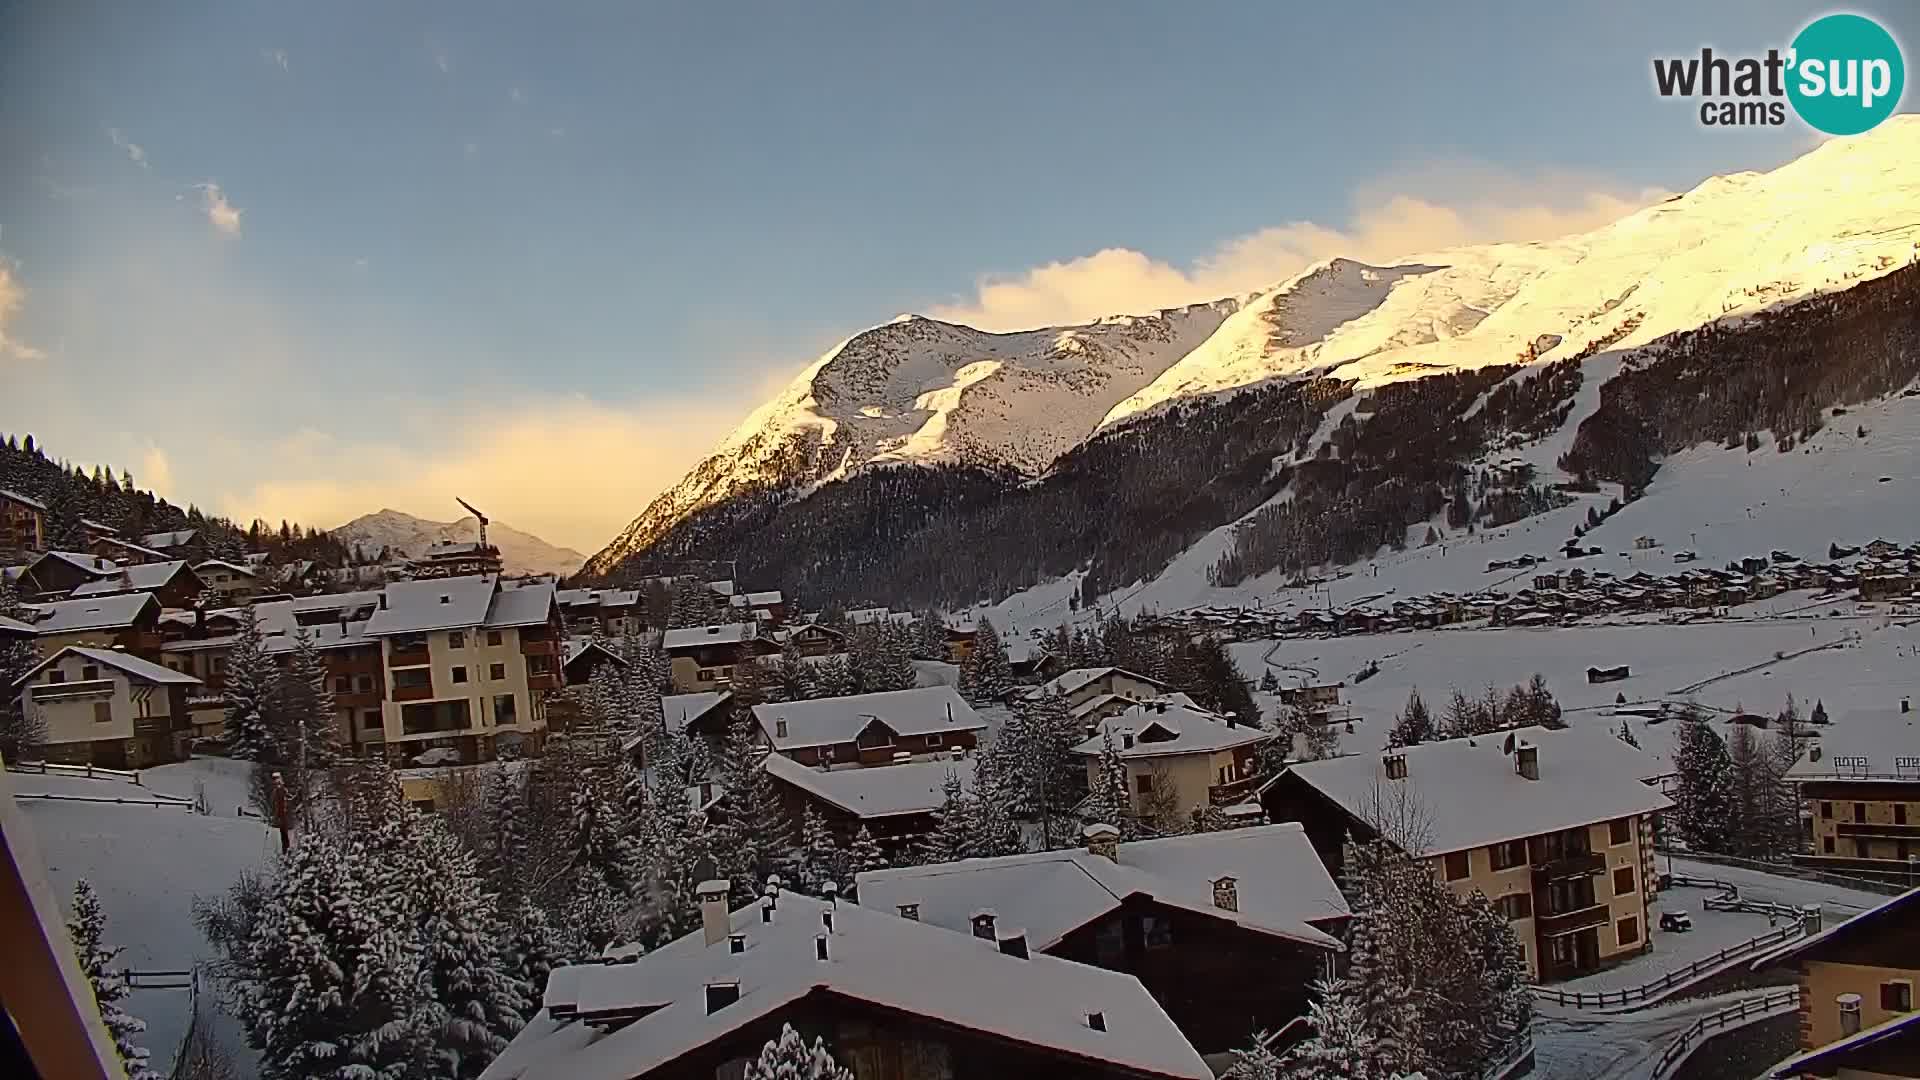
(477, 516)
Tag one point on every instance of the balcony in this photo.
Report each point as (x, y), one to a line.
(410, 656)
(1232, 792)
(1568, 922)
(434, 718)
(144, 726)
(538, 645)
(543, 680)
(1876, 829)
(1568, 865)
(67, 690)
(413, 693)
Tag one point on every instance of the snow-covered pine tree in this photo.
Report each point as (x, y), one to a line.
(249, 689)
(530, 948)
(795, 675)
(20, 738)
(1780, 833)
(693, 604)
(896, 657)
(1415, 723)
(865, 854)
(1342, 1044)
(88, 930)
(507, 842)
(788, 1057)
(473, 1002)
(1748, 788)
(955, 834)
(929, 636)
(1109, 802)
(1703, 794)
(833, 677)
(986, 675)
(306, 721)
(760, 838)
(819, 860)
(995, 832)
(1626, 735)
(1214, 680)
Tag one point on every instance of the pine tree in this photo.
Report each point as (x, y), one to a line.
(986, 675)
(995, 831)
(1109, 802)
(1342, 1045)
(788, 1057)
(1819, 713)
(820, 860)
(88, 930)
(1626, 735)
(530, 949)
(796, 679)
(692, 604)
(759, 836)
(1703, 795)
(833, 677)
(1208, 674)
(473, 1001)
(864, 855)
(1415, 723)
(955, 834)
(1748, 791)
(250, 691)
(20, 737)
(306, 714)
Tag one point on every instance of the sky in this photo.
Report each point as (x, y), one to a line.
(307, 261)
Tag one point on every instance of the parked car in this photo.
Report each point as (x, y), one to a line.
(1677, 921)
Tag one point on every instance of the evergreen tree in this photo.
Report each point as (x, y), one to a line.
(1703, 794)
(994, 830)
(1342, 1044)
(788, 1057)
(759, 837)
(1213, 680)
(692, 604)
(820, 860)
(864, 855)
(955, 833)
(1749, 794)
(20, 738)
(1110, 802)
(88, 930)
(1626, 735)
(306, 714)
(1415, 723)
(473, 999)
(250, 690)
(986, 675)
(833, 677)
(1819, 713)
(796, 678)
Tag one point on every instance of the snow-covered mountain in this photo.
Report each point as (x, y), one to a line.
(917, 391)
(404, 534)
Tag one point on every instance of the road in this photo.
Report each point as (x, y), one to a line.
(1584, 1046)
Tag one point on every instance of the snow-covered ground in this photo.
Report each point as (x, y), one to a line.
(147, 863)
(1572, 1045)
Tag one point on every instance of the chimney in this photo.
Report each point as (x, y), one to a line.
(1906, 704)
(1395, 765)
(713, 909)
(720, 995)
(830, 892)
(910, 911)
(1102, 840)
(1849, 1013)
(820, 951)
(766, 910)
(1126, 741)
(826, 921)
(1097, 1021)
(956, 753)
(383, 600)
(1813, 752)
(1014, 944)
(983, 923)
(736, 943)
(1526, 761)
(1226, 893)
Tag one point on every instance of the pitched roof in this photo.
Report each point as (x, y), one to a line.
(1282, 886)
(138, 577)
(14, 496)
(528, 605)
(169, 539)
(1069, 681)
(129, 545)
(1162, 728)
(14, 626)
(1869, 921)
(689, 637)
(679, 710)
(82, 561)
(91, 613)
(132, 665)
(224, 564)
(923, 971)
(1471, 795)
(1820, 1060)
(433, 604)
(913, 787)
(927, 710)
(1866, 744)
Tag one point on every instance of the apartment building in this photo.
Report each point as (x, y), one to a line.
(1079, 686)
(468, 663)
(106, 707)
(1857, 982)
(1555, 826)
(23, 526)
(1178, 756)
(704, 657)
(1861, 785)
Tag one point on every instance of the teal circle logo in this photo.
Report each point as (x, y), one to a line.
(1847, 74)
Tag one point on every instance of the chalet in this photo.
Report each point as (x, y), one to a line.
(1030, 662)
(173, 583)
(816, 639)
(1555, 826)
(451, 558)
(129, 622)
(767, 607)
(897, 999)
(1313, 697)
(124, 552)
(704, 714)
(870, 729)
(23, 526)
(704, 657)
(1645, 543)
(1177, 756)
(960, 641)
(583, 658)
(1609, 674)
(1861, 783)
(612, 612)
(1857, 979)
(177, 544)
(57, 573)
(895, 803)
(1882, 549)
(106, 707)
(1885, 586)
(1226, 930)
(1083, 684)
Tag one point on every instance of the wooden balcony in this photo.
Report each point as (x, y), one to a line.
(1568, 922)
(144, 726)
(538, 646)
(1571, 865)
(413, 693)
(1232, 792)
(411, 656)
(1879, 830)
(66, 690)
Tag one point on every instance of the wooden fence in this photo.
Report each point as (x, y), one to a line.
(1747, 1011)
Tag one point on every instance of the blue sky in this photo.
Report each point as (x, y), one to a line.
(308, 260)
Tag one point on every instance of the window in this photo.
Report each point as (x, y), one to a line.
(1457, 865)
(1143, 783)
(1508, 855)
(363, 683)
(1826, 843)
(497, 672)
(1859, 811)
(1516, 906)
(933, 740)
(705, 674)
(1899, 813)
(103, 712)
(370, 719)
(539, 665)
(1896, 996)
(456, 640)
(460, 674)
(55, 675)
(493, 637)
(418, 678)
(1619, 830)
(1826, 809)
(505, 712)
(90, 672)
(1623, 881)
(1627, 930)
(342, 685)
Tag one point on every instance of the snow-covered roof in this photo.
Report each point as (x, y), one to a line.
(579, 646)
(128, 545)
(913, 787)
(1469, 794)
(143, 670)
(169, 539)
(82, 561)
(14, 626)
(930, 710)
(1069, 681)
(528, 605)
(1161, 727)
(755, 599)
(863, 616)
(1282, 886)
(1867, 744)
(137, 577)
(223, 564)
(1868, 921)
(14, 496)
(679, 710)
(433, 604)
(689, 637)
(1833, 1056)
(954, 980)
(91, 613)
(721, 588)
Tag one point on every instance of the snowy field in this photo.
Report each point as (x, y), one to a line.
(148, 864)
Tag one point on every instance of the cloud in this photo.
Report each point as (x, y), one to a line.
(1461, 204)
(276, 56)
(569, 469)
(221, 214)
(12, 296)
(156, 471)
(135, 153)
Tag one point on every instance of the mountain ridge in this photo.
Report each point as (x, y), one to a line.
(406, 534)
